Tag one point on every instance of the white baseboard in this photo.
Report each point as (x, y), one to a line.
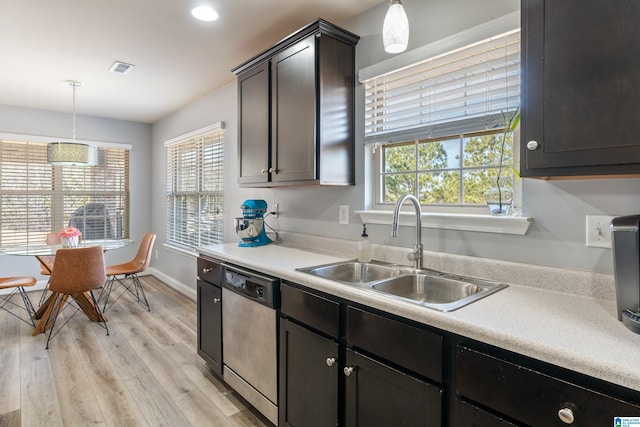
(188, 291)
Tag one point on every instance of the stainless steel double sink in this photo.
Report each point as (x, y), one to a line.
(430, 288)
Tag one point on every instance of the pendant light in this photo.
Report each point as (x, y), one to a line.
(72, 153)
(395, 29)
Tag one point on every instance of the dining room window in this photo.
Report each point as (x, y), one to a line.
(37, 198)
(195, 197)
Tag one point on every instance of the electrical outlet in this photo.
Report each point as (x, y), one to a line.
(598, 231)
(343, 217)
(276, 210)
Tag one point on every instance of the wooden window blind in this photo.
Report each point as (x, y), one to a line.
(195, 197)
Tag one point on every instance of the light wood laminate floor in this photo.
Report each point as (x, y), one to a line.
(145, 373)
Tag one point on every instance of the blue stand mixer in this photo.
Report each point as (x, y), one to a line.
(250, 227)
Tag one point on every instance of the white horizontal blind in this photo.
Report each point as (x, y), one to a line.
(37, 198)
(96, 199)
(465, 90)
(195, 170)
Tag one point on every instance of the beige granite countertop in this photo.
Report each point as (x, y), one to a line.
(576, 332)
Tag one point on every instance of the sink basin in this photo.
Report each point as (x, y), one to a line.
(445, 293)
(430, 288)
(354, 272)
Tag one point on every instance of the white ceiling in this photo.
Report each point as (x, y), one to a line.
(44, 43)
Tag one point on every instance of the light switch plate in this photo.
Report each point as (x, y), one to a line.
(598, 231)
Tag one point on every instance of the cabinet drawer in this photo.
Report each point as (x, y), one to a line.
(313, 310)
(210, 271)
(468, 415)
(532, 397)
(413, 348)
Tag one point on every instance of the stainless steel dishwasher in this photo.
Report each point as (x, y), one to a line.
(250, 337)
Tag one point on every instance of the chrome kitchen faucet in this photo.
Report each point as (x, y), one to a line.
(416, 254)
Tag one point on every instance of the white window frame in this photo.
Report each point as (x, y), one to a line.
(194, 223)
(476, 218)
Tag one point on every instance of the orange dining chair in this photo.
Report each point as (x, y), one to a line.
(17, 285)
(77, 272)
(127, 274)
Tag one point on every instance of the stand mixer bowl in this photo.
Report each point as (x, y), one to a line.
(248, 229)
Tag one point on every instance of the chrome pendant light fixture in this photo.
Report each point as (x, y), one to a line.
(395, 29)
(72, 153)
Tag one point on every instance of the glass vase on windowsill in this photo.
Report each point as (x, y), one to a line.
(499, 196)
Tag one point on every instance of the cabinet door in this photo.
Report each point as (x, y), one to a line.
(253, 125)
(581, 68)
(308, 378)
(377, 395)
(210, 325)
(294, 114)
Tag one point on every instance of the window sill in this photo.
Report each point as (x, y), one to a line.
(446, 221)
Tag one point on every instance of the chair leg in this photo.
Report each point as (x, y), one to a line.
(140, 291)
(56, 307)
(106, 293)
(100, 314)
(43, 297)
(135, 289)
(28, 307)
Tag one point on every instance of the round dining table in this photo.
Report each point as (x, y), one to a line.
(45, 255)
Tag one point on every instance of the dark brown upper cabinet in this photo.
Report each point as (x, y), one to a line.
(580, 104)
(296, 110)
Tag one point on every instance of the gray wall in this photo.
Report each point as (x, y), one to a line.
(555, 238)
(46, 123)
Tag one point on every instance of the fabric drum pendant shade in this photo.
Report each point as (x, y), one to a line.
(71, 154)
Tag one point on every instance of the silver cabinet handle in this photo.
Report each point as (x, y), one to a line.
(566, 415)
(331, 361)
(263, 171)
(272, 170)
(206, 270)
(348, 370)
(532, 145)
(216, 300)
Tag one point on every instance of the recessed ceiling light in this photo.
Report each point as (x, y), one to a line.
(204, 13)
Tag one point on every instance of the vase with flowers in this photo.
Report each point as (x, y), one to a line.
(499, 197)
(70, 237)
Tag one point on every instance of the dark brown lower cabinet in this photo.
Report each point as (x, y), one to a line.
(308, 378)
(210, 325)
(378, 395)
(529, 397)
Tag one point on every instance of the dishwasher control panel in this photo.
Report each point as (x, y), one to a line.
(255, 286)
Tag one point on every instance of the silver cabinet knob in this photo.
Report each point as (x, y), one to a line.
(263, 170)
(331, 361)
(532, 145)
(272, 170)
(566, 415)
(348, 370)
(206, 270)
(216, 300)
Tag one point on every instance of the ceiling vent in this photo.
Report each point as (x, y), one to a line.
(121, 67)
